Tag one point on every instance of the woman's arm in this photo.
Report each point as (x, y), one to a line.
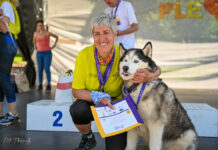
(144, 75)
(133, 28)
(34, 41)
(82, 94)
(86, 95)
(56, 39)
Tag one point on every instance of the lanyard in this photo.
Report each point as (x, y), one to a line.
(103, 80)
(114, 16)
(140, 93)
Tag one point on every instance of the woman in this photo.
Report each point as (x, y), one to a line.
(9, 28)
(93, 61)
(41, 42)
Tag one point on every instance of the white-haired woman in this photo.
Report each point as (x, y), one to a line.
(91, 63)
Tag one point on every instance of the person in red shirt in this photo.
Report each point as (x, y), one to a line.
(41, 42)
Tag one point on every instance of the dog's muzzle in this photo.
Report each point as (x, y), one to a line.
(125, 70)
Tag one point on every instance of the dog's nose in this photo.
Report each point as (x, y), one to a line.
(125, 68)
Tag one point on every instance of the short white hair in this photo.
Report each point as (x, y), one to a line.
(103, 19)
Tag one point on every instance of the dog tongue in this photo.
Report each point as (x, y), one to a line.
(125, 73)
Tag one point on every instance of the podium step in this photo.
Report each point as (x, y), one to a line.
(46, 115)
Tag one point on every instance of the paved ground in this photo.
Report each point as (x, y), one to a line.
(18, 138)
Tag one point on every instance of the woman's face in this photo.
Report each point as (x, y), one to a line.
(40, 26)
(103, 39)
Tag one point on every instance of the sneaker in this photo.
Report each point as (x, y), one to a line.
(87, 143)
(48, 88)
(10, 119)
(40, 87)
(1, 117)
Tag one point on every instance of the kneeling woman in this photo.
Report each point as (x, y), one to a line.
(91, 88)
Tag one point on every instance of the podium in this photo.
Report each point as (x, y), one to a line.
(204, 117)
(47, 115)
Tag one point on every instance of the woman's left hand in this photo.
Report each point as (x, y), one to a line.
(144, 75)
(53, 46)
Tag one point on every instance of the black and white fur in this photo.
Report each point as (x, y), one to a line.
(166, 123)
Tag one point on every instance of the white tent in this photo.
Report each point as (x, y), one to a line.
(177, 43)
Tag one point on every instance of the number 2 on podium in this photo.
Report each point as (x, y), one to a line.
(59, 115)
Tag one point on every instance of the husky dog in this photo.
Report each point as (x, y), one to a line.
(166, 123)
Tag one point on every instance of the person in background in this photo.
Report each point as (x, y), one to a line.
(91, 64)
(124, 15)
(41, 42)
(9, 28)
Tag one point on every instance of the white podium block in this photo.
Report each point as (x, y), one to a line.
(204, 118)
(46, 115)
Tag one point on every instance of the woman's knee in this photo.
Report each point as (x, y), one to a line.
(78, 107)
(80, 112)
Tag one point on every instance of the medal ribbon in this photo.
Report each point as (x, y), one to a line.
(140, 93)
(103, 80)
(114, 16)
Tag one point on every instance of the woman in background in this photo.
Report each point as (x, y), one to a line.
(41, 42)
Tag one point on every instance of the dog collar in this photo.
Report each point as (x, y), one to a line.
(132, 87)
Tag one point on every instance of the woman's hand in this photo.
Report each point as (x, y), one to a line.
(56, 39)
(144, 75)
(4, 20)
(53, 46)
(106, 101)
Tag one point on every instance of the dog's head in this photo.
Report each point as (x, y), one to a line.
(133, 59)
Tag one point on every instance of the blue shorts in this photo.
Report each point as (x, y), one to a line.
(8, 50)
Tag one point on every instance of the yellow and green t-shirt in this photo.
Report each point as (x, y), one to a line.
(85, 74)
(13, 27)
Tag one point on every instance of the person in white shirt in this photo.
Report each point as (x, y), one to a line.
(123, 13)
(8, 11)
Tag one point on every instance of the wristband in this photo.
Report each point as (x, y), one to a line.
(98, 96)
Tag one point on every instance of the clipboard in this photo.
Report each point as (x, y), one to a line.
(111, 122)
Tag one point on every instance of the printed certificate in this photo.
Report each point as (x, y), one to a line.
(123, 118)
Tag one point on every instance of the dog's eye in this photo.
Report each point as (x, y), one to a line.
(125, 60)
(136, 61)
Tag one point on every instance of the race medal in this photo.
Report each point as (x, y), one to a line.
(118, 21)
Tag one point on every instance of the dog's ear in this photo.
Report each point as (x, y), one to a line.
(147, 50)
(122, 49)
